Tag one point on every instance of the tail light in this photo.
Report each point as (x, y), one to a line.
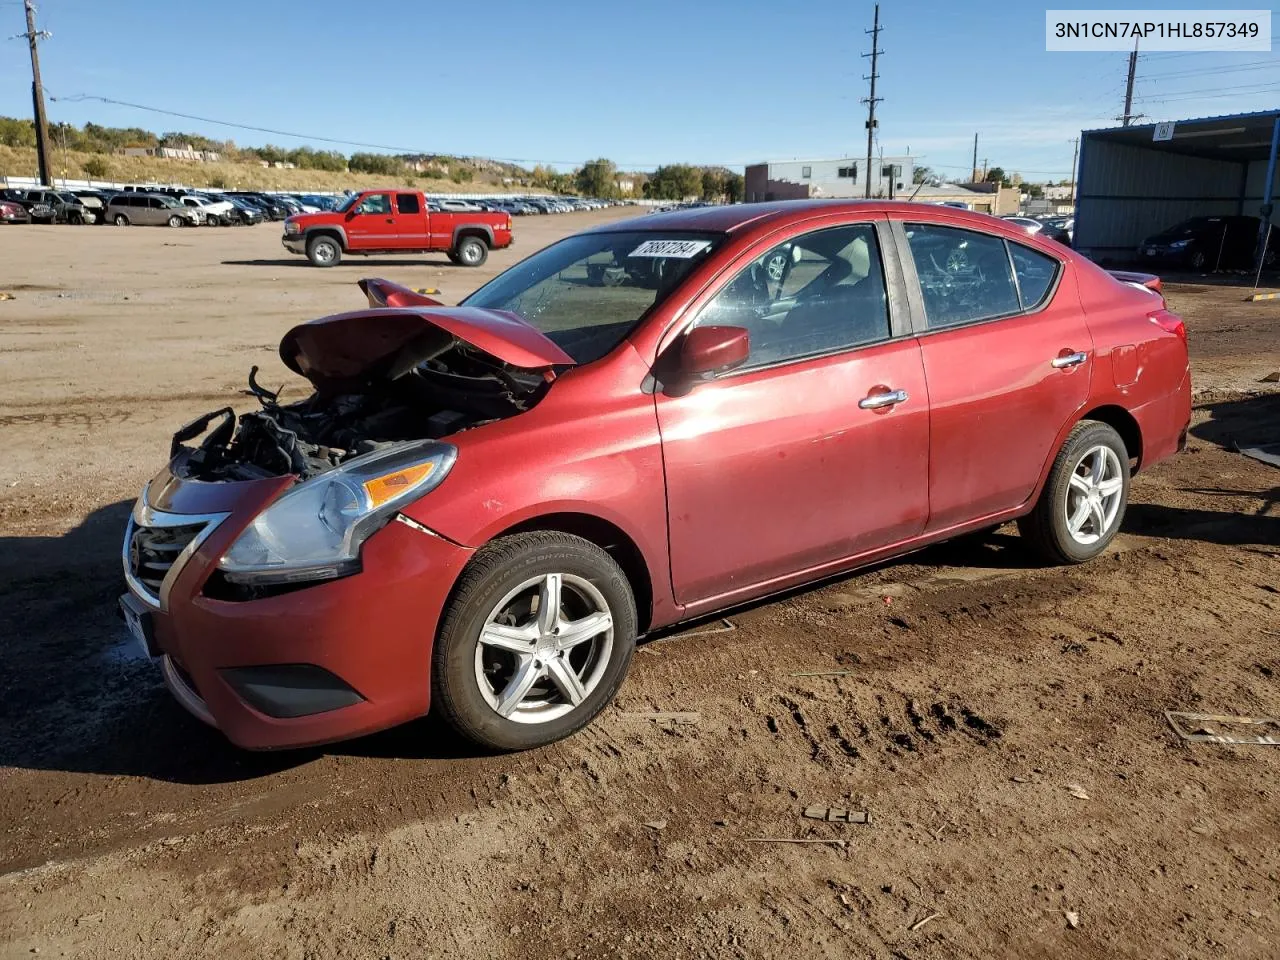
(1169, 323)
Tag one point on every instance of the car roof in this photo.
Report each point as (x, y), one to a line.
(733, 217)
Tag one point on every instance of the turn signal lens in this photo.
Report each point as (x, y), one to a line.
(384, 488)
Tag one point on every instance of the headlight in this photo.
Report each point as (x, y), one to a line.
(1178, 244)
(316, 529)
(291, 227)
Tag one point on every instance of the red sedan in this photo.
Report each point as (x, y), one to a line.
(482, 507)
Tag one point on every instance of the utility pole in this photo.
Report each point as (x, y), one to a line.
(37, 96)
(973, 171)
(872, 100)
(1075, 154)
(984, 170)
(1128, 117)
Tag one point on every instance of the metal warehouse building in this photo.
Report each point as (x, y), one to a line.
(1138, 180)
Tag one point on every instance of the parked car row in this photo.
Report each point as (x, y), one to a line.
(178, 206)
(1054, 228)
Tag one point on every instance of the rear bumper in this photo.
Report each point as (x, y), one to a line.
(1165, 422)
(327, 662)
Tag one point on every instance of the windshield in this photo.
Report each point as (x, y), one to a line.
(587, 292)
(347, 204)
(169, 201)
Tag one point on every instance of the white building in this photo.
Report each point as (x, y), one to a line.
(841, 177)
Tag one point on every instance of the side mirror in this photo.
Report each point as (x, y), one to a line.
(708, 351)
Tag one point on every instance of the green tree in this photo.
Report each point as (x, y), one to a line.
(378, 163)
(997, 175)
(597, 178)
(675, 181)
(735, 187)
(1034, 190)
(712, 183)
(96, 167)
(922, 174)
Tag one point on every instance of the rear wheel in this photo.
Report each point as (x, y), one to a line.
(1083, 502)
(177, 221)
(324, 251)
(536, 642)
(471, 251)
(121, 220)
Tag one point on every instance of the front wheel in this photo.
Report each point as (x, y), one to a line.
(121, 220)
(1083, 502)
(471, 251)
(324, 251)
(177, 221)
(536, 642)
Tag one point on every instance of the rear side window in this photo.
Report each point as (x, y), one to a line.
(407, 203)
(964, 275)
(1035, 272)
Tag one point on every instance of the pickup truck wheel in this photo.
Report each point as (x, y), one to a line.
(324, 251)
(1083, 502)
(471, 251)
(121, 220)
(536, 642)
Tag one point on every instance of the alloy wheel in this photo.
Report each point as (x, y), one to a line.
(544, 648)
(1094, 495)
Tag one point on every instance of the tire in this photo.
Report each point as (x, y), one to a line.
(177, 221)
(1198, 260)
(1049, 529)
(777, 266)
(471, 251)
(324, 251)
(121, 220)
(498, 589)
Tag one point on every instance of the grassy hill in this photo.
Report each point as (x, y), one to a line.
(21, 162)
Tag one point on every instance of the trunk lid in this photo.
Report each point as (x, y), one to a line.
(401, 329)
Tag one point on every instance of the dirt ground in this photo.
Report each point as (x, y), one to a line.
(1003, 723)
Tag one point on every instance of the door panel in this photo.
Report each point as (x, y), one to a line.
(372, 224)
(411, 222)
(777, 470)
(997, 400)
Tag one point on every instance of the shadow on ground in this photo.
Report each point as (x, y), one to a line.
(350, 261)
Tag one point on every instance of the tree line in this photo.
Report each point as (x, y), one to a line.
(596, 178)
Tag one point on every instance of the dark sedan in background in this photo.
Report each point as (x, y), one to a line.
(1206, 243)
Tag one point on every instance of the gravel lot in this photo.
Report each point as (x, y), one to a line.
(1002, 723)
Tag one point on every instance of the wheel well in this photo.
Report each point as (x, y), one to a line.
(477, 232)
(613, 541)
(1121, 420)
(326, 232)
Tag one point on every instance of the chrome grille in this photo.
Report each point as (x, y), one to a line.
(154, 550)
(157, 544)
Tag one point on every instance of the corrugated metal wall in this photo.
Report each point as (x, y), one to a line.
(1127, 193)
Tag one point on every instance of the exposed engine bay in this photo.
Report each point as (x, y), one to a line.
(459, 388)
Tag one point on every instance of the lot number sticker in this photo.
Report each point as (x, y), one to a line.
(680, 249)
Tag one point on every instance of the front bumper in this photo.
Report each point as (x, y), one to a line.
(294, 243)
(334, 660)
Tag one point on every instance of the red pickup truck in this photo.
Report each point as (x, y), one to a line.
(395, 221)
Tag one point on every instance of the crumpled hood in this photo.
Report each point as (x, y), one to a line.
(351, 348)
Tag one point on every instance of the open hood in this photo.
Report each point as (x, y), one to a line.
(350, 348)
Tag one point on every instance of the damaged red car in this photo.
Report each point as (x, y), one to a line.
(480, 508)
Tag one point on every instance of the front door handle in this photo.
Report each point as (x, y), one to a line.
(887, 399)
(1070, 360)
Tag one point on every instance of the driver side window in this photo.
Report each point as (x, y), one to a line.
(376, 203)
(815, 294)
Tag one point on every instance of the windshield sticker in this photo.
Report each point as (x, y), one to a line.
(680, 249)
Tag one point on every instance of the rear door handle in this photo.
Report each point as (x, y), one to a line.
(1070, 360)
(878, 400)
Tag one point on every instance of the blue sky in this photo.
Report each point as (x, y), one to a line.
(643, 83)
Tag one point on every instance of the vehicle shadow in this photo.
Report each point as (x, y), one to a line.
(357, 262)
(78, 695)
